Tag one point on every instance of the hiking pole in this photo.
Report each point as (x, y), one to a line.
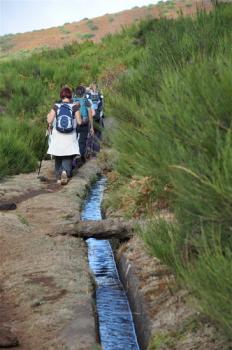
(44, 146)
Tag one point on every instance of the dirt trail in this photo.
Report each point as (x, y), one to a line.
(45, 285)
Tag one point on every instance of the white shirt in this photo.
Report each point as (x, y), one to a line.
(63, 144)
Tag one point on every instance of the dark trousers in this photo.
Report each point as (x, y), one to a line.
(82, 135)
(63, 163)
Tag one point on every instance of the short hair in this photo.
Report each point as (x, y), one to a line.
(80, 91)
(66, 92)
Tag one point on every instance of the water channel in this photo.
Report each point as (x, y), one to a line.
(116, 327)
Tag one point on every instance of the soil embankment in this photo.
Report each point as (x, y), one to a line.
(165, 315)
(46, 290)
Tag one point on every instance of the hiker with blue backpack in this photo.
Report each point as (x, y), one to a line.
(96, 98)
(62, 122)
(85, 126)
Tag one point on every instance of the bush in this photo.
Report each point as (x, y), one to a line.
(92, 26)
(87, 36)
(15, 154)
(6, 42)
(210, 281)
(64, 30)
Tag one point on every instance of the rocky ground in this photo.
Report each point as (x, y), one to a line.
(45, 284)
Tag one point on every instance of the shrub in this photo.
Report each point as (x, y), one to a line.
(15, 153)
(92, 26)
(64, 30)
(6, 42)
(87, 36)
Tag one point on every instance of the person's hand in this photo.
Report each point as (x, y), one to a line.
(76, 106)
(91, 131)
(49, 129)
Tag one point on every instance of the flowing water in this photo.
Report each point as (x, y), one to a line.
(116, 327)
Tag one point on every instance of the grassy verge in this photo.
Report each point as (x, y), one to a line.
(175, 128)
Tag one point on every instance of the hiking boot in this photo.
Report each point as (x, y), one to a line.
(83, 159)
(64, 178)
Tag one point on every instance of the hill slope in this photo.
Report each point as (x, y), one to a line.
(94, 29)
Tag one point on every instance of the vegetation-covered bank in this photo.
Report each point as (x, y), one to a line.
(169, 87)
(174, 138)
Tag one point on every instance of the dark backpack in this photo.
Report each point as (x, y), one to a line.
(64, 118)
(92, 146)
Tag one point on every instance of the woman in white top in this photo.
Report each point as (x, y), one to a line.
(63, 140)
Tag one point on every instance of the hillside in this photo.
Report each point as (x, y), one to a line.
(93, 29)
(167, 85)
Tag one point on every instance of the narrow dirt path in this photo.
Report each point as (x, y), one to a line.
(45, 284)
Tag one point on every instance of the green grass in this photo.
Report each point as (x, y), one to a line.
(87, 36)
(174, 113)
(210, 281)
(23, 220)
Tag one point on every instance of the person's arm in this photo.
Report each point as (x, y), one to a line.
(93, 112)
(78, 117)
(76, 110)
(92, 109)
(90, 115)
(50, 118)
(91, 120)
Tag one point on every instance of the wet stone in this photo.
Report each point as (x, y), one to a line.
(8, 206)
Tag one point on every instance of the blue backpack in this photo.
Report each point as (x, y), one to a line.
(95, 98)
(64, 118)
(83, 107)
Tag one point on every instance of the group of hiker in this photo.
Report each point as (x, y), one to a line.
(76, 118)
